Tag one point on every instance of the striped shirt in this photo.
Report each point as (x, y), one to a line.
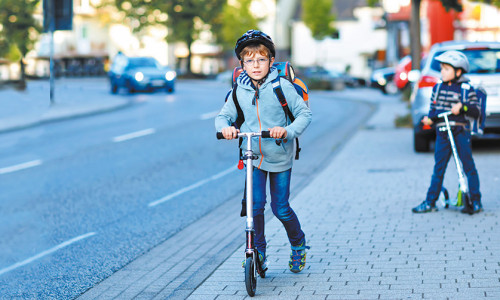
(449, 95)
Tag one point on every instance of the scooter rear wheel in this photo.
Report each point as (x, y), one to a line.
(250, 280)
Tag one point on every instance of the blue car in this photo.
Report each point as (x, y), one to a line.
(140, 74)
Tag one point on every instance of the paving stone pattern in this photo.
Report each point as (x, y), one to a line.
(366, 243)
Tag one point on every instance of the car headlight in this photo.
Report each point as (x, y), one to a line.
(381, 81)
(139, 76)
(170, 75)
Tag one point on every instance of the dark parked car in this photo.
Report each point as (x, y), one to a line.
(484, 61)
(319, 78)
(383, 80)
(140, 74)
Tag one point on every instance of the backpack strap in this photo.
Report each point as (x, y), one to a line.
(278, 91)
(465, 87)
(436, 95)
(240, 118)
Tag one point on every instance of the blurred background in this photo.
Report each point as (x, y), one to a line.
(107, 107)
(349, 39)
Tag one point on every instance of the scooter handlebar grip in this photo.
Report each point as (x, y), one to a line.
(266, 134)
(220, 136)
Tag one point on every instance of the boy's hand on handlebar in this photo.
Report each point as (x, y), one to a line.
(455, 109)
(427, 121)
(230, 133)
(278, 132)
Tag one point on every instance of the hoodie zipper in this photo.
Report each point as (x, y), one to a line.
(256, 103)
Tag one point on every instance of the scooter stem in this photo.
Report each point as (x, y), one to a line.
(461, 177)
(249, 189)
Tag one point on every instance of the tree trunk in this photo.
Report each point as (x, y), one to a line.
(190, 56)
(22, 81)
(415, 43)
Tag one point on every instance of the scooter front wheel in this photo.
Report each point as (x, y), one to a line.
(250, 280)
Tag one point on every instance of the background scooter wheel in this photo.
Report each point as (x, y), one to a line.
(444, 198)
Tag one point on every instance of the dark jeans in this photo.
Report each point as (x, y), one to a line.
(442, 156)
(280, 192)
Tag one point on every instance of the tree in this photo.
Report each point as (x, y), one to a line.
(19, 29)
(492, 2)
(318, 17)
(235, 20)
(186, 18)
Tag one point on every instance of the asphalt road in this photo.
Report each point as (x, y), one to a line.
(83, 197)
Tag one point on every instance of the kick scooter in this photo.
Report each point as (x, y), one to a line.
(463, 197)
(252, 263)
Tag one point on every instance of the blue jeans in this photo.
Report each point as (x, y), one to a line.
(280, 193)
(442, 156)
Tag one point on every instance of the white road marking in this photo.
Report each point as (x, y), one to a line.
(133, 135)
(191, 187)
(209, 115)
(46, 252)
(26, 165)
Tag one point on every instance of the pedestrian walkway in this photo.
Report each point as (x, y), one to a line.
(72, 98)
(365, 242)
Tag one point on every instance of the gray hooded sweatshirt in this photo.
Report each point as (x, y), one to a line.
(262, 111)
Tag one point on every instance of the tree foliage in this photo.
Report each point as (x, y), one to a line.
(19, 26)
(318, 17)
(236, 19)
(492, 2)
(19, 30)
(184, 19)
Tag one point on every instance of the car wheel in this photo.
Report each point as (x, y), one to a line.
(130, 88)
(114, 88)
(390, 88)
(420, 143)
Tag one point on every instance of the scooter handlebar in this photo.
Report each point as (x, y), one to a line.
(442, 115)
(263, 134)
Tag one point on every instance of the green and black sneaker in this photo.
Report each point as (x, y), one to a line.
(298, 257)
(424, 207)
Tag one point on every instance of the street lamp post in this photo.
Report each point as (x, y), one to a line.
(52, 26)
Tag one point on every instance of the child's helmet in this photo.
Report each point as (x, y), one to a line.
(456, 59)
(254, 37)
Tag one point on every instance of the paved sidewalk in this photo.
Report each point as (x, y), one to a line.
(73, 98)
(366, 243)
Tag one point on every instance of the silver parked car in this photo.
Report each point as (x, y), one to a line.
(484, 60)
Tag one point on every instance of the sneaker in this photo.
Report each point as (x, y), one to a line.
(476, 208)
(262, 260)
(424, 207)
(298, 258)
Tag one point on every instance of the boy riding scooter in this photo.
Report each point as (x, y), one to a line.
(448, 96)
(262, 111)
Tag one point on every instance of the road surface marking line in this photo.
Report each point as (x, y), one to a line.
(26, 165)
(209, 115)
(133, 135)
(192, 187)
(46, 252)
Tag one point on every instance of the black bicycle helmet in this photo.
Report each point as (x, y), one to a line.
(254, 37)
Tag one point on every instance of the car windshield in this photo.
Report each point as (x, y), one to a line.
(480, 60)
(142, 62)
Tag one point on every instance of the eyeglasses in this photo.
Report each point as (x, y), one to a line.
(260, 61)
